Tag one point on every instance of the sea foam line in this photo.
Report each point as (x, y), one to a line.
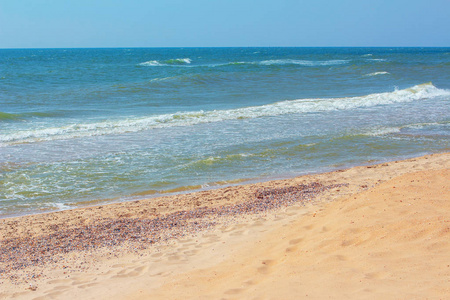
(274, 62)
(169, 62)
(377, 73)
(376, 59)
(415, 93)
(308, 63)
(397, 129)
(280, 62)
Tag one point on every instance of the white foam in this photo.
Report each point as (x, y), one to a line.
(187, 61)
(309, 63)
(60, 206)
(377, 73)
(376, 59)
(169, 62)
(184, 60)
(398, 129)
(415, 93)
(161, 79)
(383, 131)
(151, 63)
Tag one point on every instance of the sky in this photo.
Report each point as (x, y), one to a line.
(224, 23)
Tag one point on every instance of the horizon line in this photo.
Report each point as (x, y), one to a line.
(163, 47)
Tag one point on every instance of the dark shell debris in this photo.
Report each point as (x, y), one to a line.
(136, 234)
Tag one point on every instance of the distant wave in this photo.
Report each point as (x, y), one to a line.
(415, 93)
(236, 63)
(17, 117)
(8, 117)
(307, 63)
(376, 59)
(169, 62)
(377, 73)
(274, 62)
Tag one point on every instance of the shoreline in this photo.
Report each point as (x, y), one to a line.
(107, 234)
(156, 194)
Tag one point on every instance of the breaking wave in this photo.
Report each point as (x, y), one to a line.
(281, 62)
(415, 93)
(377, 73)
(308, 63)
(398, 129)
(169, 62)
(274, 62)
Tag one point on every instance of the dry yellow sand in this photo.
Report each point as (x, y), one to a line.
(386, 236)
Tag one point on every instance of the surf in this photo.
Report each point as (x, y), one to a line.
(192, 118)
(168, 62)
(377, 73)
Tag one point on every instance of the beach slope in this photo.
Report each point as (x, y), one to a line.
(380, 231)
(390, 242)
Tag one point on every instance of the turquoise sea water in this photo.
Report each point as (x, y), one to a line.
(84, 126)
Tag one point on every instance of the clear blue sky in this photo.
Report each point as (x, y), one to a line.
(216, 23)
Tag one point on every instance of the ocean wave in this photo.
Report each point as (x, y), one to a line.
(376, 59)
(162, 79)
(169, 62)
(309, 63)
(8, 117)
(178, 61)
(377, 73)
(383, 131)
(274, 62)
(398, 129)
(281, 62)
(214, 160)
(151, 63)
(415, 93)
(20, 117)
(234, 63)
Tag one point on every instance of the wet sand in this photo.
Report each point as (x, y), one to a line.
(366, 232)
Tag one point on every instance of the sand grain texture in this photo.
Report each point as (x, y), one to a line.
(384, 235)
(389, 242)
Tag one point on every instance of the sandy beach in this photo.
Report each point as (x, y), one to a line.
(369, 232)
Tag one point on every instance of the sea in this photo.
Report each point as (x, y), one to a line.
(81, 127)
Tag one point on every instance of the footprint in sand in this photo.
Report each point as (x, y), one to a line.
(308, 227)
(61, 287)
(119, 266)
(237, 233)
(295, 241)
(190, 252)
(376, 275)
(266, 264)
(293, 244)
(52, 295)
(233, 291)
(130, 272)
(341, 257)
(59, 281)
(173, 258)
(291, 249)
(87, 285)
